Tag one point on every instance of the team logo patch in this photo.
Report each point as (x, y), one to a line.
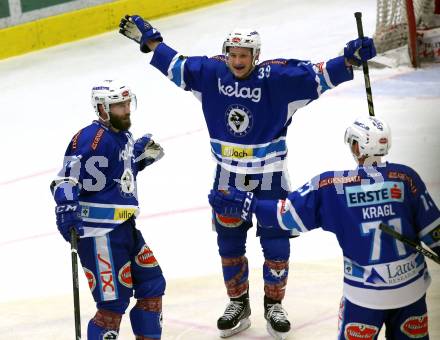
(127, 184)
(239, 120)
(146, 258)
(90, 278)
(278, 273)
(85, 211)
(415, 327)
(435, 234)
(354, 331)
(110, 335)
(161, 320)
(124, 275)
(228, 222)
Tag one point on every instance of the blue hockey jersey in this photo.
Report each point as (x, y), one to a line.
(247, 119)
(379, 271)
(99, 173)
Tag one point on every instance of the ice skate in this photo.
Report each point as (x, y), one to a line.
(278, 326)
(235, 319)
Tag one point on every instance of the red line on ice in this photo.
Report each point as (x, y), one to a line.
(141, 217)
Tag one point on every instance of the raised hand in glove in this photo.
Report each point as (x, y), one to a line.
(68, 217)
(136, 28)
(233, 203)
(359, 50)
(147, 151)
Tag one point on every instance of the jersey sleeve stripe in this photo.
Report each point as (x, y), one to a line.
(327, 77)
(175, 71)
(429, 228)
(289, 218)
(319, 86)
(197, 94)
(292, 107)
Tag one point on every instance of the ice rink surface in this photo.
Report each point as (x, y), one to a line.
(45, 100)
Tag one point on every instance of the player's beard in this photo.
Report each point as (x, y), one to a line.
(122, 124)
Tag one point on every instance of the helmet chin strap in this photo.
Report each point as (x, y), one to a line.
(373, 160)
(367, 160)
(107, 120)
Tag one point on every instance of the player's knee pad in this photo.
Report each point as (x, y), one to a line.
(232, 245)
(152, 287)
(275, 248)
(235, 274)
(104, 325)
(146, 318)
(275, 275)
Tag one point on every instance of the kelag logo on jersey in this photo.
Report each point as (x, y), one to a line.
(239, 120)
(377, 193)
(242, 92)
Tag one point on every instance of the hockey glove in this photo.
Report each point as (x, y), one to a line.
(68, 217)
(359, 50)
(136, 28)
(147, 151)
(233, 203)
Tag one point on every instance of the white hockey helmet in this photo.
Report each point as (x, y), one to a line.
(109, 92)
(372, 134)
(243, 37)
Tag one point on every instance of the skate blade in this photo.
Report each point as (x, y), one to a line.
(276, 335)
(241, 326)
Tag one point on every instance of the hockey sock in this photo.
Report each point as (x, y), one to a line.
(146, 318)
(104, 325)
(275, 275)
(235, 274)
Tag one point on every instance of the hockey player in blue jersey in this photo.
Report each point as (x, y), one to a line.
(96, 194)
(385, 281)
(248, 107)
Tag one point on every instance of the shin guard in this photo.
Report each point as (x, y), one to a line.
(275, 275)
(235, 274)
(146, 318)
(104, 326)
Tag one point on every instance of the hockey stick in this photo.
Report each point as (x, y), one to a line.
(417, 246)
(74, 253)
(358, 16)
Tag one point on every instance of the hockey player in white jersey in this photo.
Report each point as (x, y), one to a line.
(96, 194)
(385, 281)
(248, 107)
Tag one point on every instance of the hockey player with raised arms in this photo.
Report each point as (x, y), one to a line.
(385, 281)
(248, 107)
(96, 194)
